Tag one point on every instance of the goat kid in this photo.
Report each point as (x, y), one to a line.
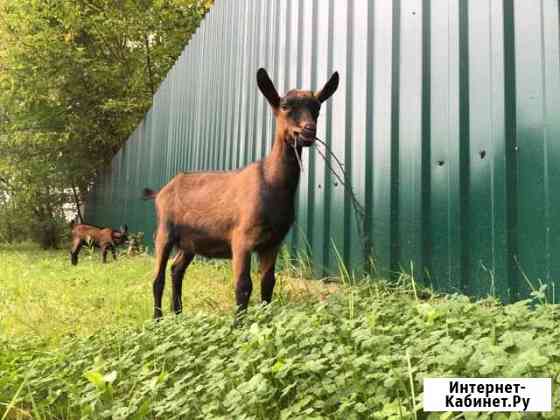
(104, 238)
(231, 214)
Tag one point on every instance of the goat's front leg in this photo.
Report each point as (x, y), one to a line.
(242, 277)
(267, 260)
(114, 252)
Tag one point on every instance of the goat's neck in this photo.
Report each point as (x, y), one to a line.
(281, 166)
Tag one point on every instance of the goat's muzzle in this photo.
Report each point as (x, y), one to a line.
(306, 137)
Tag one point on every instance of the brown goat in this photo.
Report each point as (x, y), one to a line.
(231, 214)
(104, 238)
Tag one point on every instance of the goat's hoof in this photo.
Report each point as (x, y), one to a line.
(239, 319)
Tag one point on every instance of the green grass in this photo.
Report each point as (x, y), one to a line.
(77, 342)
(41, 294)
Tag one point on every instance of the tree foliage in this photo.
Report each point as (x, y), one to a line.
(76, 76)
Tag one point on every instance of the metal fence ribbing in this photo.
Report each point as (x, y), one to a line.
(445, 121)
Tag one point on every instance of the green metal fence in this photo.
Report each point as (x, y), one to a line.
(447, 122)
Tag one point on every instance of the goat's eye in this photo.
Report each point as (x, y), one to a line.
(315, 111)
(284, 107)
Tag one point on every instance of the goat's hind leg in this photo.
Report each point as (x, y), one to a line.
(104, 253)
(76, 246)
(163, 246)
(178, 268)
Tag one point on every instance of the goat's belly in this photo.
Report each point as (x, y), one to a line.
(270, 237)
(207, 247)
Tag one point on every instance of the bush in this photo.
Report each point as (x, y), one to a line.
(19, 224)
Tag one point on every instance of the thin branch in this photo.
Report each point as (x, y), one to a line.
(77, 202)
(149, 64)
(345, 182)
(94, 6)
(7, 183)
(359, 209)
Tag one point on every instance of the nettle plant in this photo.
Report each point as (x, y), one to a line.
(136, 244)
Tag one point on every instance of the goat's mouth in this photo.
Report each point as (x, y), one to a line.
(304, 139)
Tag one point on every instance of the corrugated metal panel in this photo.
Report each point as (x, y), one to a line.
(446, 122)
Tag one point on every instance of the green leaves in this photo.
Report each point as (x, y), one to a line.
(95, 378)
(75, 79)
(289, 361)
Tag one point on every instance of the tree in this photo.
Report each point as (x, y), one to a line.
(76, 76)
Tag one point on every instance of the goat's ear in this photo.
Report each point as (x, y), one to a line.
(329, 88)
(124, 228)
(267, 88)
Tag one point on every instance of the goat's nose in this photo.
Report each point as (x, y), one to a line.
(309, 129)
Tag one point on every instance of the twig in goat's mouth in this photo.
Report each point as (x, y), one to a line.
(359, 209)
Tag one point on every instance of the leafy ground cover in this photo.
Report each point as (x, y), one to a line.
(318, 352)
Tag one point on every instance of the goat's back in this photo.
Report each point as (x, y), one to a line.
(204, 209)
(87, 232)
(214, 198)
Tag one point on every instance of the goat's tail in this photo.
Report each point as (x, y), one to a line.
(148, 194)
